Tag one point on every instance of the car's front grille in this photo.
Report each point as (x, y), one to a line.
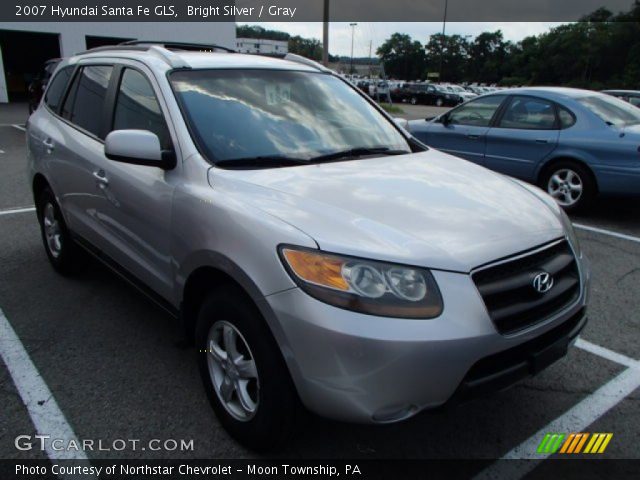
(509, 293)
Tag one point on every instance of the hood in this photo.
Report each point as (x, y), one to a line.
(426, 209)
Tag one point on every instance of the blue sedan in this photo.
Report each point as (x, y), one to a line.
(573, 143)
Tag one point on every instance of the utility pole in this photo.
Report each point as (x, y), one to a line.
(442, 40)
(370, 60)
(325, 34)
(353, 30)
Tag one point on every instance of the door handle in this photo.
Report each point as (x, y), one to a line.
(48, 143)
(542, 140)
(473, 137)
(101, 177)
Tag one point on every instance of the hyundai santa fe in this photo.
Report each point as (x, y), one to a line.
(317, 254)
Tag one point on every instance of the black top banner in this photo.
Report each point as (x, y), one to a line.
(305, 10)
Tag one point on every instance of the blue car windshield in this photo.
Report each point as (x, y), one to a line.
(612, 110)
(240, 114)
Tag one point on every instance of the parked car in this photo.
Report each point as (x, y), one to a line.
(631, 96)
(39, 83)
(572, 143)
(429, 94)
(462, 92)
(315, 252)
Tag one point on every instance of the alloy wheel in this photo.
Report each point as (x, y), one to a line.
(233, 371)
(566, 187)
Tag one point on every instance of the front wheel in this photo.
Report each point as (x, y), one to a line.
(414, 101)
(244, 373)
(570, 184)
(439, 102)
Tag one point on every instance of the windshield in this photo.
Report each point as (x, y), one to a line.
(264, 114)
(612, 110)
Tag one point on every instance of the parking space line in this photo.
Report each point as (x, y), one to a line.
(608, 354)
(576, 419)
(604, 231)
(36, 396)
(19, 127)
(11, 211)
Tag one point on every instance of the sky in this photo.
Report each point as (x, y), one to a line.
(376, 33)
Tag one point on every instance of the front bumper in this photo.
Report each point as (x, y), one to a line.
(367, 369)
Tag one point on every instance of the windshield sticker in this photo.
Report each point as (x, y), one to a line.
(278, 93)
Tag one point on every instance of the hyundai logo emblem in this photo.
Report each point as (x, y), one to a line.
(543, 282)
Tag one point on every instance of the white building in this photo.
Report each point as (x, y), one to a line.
(262, 46)
(24, 46)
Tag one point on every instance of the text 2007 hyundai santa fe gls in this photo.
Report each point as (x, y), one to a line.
(316, 252)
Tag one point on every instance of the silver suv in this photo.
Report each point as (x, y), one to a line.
(317, 253)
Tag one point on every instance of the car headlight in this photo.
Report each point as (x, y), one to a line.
(571, 233)
(365, 286)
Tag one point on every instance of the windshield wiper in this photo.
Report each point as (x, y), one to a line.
(265, 161)
(356, 152)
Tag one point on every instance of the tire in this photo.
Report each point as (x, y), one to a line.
(271, 409)
(414, 101)
(439, 102)
(63, 253)
(571, 184)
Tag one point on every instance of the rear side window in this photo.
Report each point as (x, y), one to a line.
(567, 119)
(529, 114)
(137, 107)
(85, 103)
(57, 87)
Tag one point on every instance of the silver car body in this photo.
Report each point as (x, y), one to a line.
(425, 209)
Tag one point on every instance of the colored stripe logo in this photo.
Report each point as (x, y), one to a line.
(573, 443)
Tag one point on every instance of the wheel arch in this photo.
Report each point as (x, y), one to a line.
(38, 184)
(218, 271)
(551, 162)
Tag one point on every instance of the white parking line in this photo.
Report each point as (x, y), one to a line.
(36, 396)
(608, 354)
(576, 419)
(19, 127)
(11, 211)
(604, 231)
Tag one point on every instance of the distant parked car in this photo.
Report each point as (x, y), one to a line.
(462, 92)
(573, 143)
(631, 96)
(39, 83)
(429, 94)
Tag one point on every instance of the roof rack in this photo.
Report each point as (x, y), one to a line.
(178, 45)
(160, 49)
(292, 57)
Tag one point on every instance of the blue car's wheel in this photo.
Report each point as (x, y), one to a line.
(570, 184)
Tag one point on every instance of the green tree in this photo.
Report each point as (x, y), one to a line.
(402, 57)
(452, 51)
(306, 47)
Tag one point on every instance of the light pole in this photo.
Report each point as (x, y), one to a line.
(325, 34)
(444, 29)
(353, 30)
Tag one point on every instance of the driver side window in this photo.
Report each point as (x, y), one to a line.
(477, 113)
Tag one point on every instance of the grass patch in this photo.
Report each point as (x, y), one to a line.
(389, 108)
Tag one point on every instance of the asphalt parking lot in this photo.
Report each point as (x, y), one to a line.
(115, 366)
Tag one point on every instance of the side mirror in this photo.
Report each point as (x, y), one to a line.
(402, 122)
(138, 147)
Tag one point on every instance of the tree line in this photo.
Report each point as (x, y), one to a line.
(601, 50)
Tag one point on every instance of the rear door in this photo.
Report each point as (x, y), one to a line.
(525, 134)
(76, 147)
(463, 132)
